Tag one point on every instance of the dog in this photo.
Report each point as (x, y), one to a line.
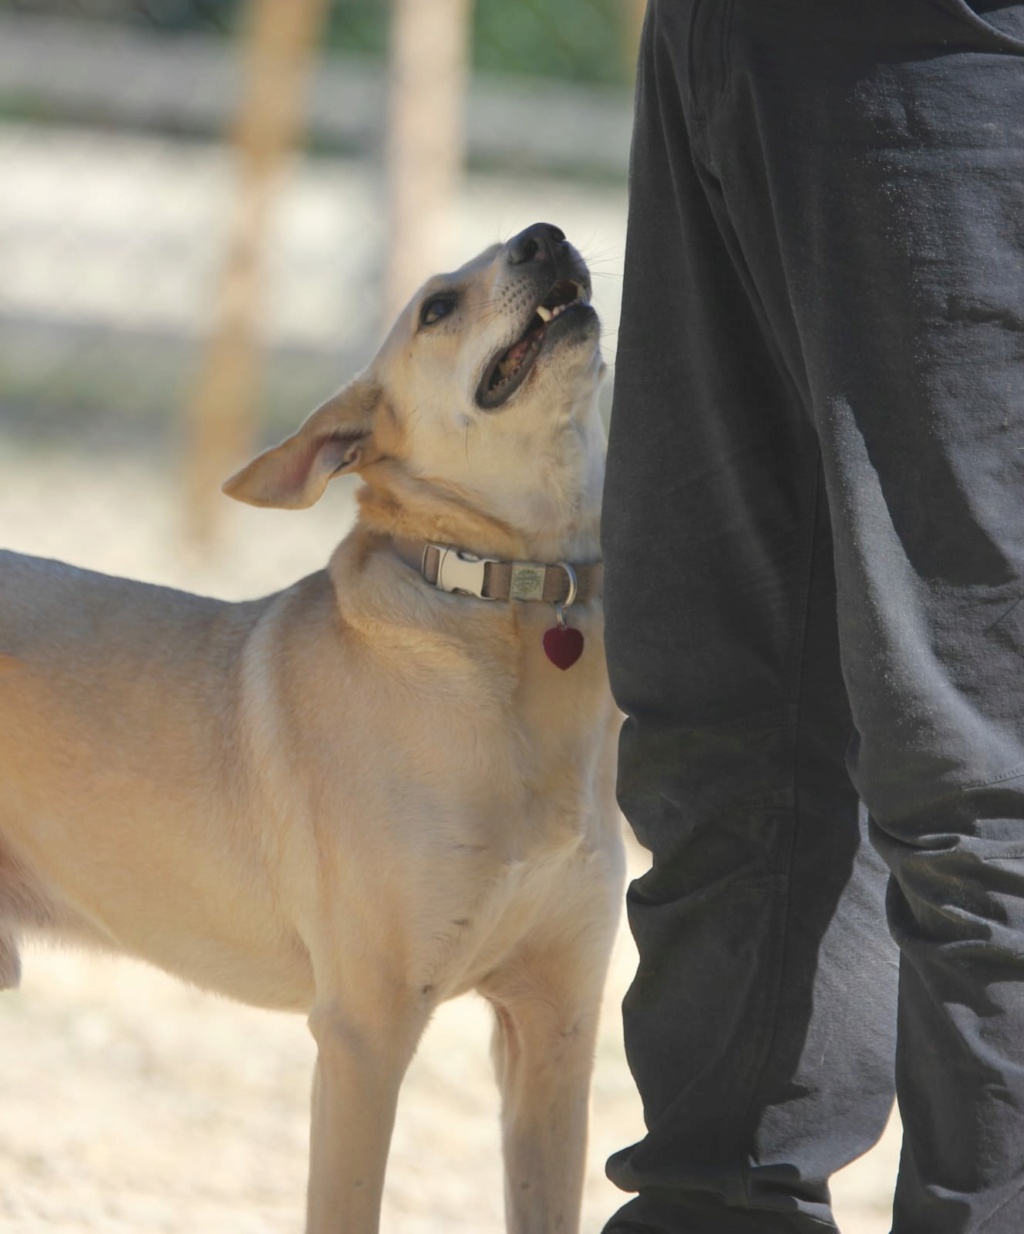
(392, 782)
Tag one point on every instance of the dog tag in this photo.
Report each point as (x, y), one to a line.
(563, 646)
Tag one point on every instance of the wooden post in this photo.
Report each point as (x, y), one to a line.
(429, 51)
(632, 24)
(277, 58)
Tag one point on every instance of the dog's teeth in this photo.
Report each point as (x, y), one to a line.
(545, 314)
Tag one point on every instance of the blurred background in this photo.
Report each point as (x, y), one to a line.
(209, 210)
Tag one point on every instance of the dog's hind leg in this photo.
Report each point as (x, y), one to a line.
(10, 960)
(16, 905)
(362, 1055)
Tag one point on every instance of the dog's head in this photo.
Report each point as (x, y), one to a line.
(485, 388)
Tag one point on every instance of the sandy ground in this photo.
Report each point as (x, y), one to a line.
(129, 1102)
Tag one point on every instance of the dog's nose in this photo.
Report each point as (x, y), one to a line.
(538, 242)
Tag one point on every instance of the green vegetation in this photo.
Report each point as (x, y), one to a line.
(572, 40)
(575, 40)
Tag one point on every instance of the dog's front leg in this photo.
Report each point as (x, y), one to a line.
(543, 1055)
(360, 1064)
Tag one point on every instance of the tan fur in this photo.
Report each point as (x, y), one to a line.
(360, 796)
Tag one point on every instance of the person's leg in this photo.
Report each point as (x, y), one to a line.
(880, 169)
(760, 1025)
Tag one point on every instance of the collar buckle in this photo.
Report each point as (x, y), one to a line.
(461, 572)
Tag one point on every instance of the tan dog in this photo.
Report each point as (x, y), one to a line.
(363, 795)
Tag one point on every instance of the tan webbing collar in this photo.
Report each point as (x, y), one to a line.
(458, 571)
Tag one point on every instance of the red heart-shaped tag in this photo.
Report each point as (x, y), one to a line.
(563, 646)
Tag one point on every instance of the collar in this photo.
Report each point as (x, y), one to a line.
(458, 571)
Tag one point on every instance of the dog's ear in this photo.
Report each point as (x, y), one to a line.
(335, 439)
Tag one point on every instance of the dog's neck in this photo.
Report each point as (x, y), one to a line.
(395, 505)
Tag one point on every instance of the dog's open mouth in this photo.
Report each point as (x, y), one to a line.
(510, 368)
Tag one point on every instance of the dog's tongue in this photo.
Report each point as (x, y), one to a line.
(514, 356)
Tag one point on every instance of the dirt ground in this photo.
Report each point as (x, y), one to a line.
(129, 1102)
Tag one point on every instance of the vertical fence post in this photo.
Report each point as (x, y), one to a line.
(635, 11)
(278, 50)
(429, 50)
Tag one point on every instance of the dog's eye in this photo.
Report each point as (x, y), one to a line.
(436, 308)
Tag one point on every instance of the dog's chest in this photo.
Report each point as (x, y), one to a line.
(534, 852)
(522, 903)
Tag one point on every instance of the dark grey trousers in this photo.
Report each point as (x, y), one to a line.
(814, 537)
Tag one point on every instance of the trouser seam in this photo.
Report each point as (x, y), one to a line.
(787, 897)
(987, 1221)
